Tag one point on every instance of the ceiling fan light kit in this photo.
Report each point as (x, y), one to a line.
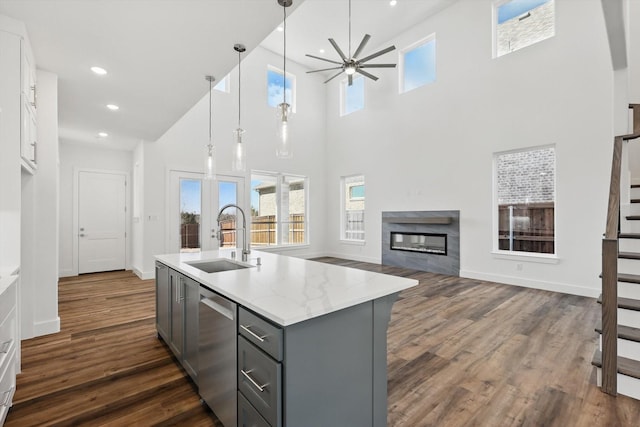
(350, 64)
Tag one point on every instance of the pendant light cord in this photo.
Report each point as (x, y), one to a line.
(210, 89)
(284, 66)
(239, 88)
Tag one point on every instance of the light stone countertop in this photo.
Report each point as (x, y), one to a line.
(288, 290)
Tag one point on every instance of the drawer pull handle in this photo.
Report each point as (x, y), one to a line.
(7, 397)
(253, 334)
(5, 346)
(258, 386)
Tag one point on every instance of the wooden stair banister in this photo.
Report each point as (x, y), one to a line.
(610, 254)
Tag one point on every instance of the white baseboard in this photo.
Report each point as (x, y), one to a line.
(66, 273)
(47, 327)
(353, 257)
(534, 284)
(144, 275)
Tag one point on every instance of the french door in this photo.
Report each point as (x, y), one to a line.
(193, 209)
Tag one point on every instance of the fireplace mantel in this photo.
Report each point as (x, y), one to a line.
(427, 220)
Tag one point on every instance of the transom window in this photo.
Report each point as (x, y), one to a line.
(276, 83)
(525, 190)
(418, 64)
(352, 97)
(223, 85)
(521, 23)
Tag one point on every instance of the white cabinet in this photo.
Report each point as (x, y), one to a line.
(29, 103)
(9, 342)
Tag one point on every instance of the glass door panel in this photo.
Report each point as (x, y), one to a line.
(228, 193)
(190, 214)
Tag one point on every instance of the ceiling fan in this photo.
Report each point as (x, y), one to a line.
(351, 64)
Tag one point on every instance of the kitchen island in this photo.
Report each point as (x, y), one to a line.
(311, 337)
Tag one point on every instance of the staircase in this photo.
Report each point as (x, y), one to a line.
(617, 358)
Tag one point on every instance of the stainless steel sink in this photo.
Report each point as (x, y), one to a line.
(218, 265)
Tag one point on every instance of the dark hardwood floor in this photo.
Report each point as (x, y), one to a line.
(461, 353)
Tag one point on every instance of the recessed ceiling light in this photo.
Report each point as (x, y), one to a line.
(102, 134)
(321, 50)
(112, 107)
(280, 28)
(393, 2)
(99, 71)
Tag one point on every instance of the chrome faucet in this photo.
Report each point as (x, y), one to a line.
(246, 250)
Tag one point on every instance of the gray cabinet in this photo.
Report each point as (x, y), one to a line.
(176, 341)
(177, 298)
(191, 292)
(163, 296)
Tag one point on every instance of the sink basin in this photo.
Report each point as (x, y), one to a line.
(218, 265)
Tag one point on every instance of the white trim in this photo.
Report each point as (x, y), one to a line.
(494, 204)
(353, 242)
(564, 288)
(47, 327)
(144, 275)
(430, 38)
(527, 257)
(76, 207)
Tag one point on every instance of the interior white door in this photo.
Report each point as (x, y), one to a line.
(101, 221)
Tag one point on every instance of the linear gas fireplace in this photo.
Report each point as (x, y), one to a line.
(422, 240)
(419, 242)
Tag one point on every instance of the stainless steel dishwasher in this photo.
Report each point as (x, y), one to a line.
(217, 355)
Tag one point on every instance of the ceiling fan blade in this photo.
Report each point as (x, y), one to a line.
(335, 46)
(378, 66)
(375, 55)
(325, 69)
(333, 77)
(363, 43)
(364, 73)
(324, 59)
(350, 79)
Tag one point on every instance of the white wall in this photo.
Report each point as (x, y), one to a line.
(72, 157)
(182, 147)
(137, 211)
(432, 148)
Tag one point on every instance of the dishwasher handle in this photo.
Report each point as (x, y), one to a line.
(214, 305)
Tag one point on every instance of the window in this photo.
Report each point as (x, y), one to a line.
(275, 87)
(351, 97)
(525, 190)
(418, 64)
(352, 208)
(223, 85)
(278, 209)
(521, 23)
(190, 208)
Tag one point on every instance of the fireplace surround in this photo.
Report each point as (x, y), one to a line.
(422, 240)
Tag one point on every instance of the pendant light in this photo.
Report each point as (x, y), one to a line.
(239, 154)
(283, 110)
(210, 159)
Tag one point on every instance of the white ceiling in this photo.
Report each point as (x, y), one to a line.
(157, 52)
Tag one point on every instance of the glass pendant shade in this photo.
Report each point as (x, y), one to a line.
(283, 147)
(239, 163)
(209, 161)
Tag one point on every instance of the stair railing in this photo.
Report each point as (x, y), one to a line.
(610, 264)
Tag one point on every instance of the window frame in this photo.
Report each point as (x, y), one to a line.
(344, 87)
(401, 62)
(279, 223)
(343, 208)
(494, 27)
(523, 255)
(294, 85)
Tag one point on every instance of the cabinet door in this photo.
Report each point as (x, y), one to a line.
(177, 313)
(163, 295)
(191, 303)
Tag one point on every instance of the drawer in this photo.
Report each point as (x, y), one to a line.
(263, 334)
(247, 414)
(7, 386)
(7, 337)
(259, 380)
(7, 301)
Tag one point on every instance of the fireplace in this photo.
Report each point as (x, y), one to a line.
(419, 242)
(422, 240)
